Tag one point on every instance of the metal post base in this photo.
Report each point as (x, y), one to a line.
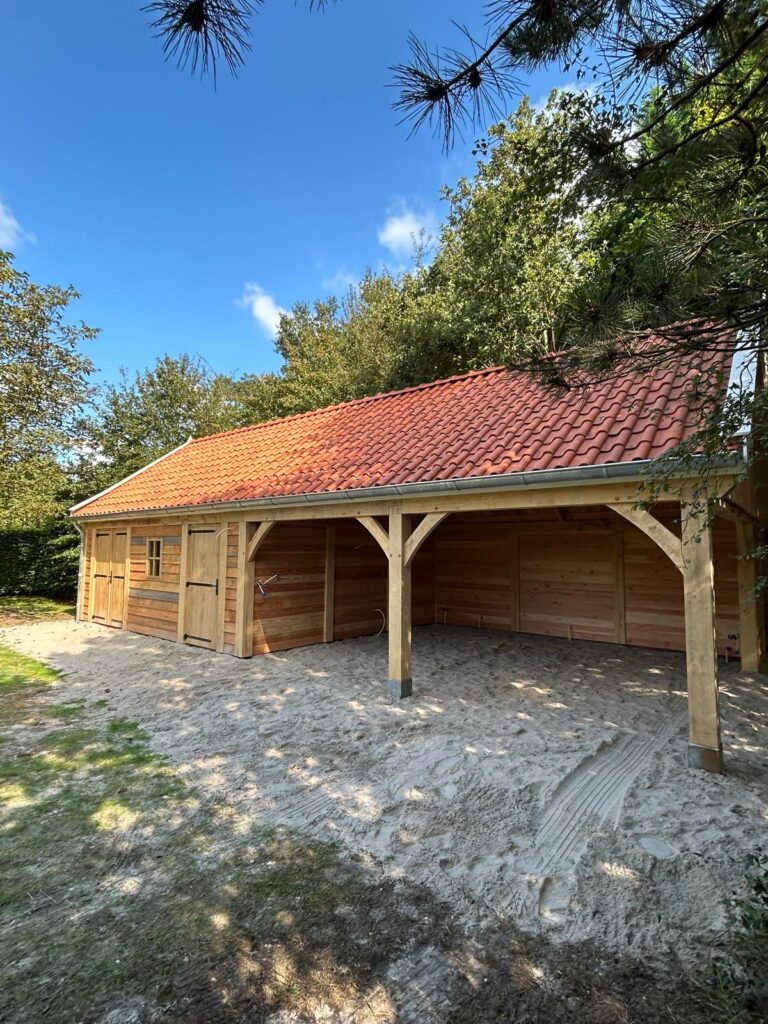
(706, 758)
(400, 688)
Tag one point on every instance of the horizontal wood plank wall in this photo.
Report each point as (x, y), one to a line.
(568, 576)
(567, 580)
(291, 613)
(726, 587)
(654, 590)
(473, 578)
(423, 585)
(153, 603)
(230, 585)
(361, 582)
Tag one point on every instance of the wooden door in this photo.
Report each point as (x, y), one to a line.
(108, 585)
(201, 604)
(102, 574)
(117, 584)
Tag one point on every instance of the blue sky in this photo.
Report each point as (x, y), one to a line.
(186, 216)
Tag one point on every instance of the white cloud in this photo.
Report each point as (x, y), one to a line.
(262, 307)
(341, 281)
(572, 87)
(11, 232)
(402, 228)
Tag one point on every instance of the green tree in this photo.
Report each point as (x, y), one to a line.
(44, 381)
(43, 373)
(519, 240)
(148, 414)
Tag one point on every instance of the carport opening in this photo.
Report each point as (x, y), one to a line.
(577, 573)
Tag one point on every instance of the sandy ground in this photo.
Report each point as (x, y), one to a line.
(528, 779)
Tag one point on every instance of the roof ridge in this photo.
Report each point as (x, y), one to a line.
(379, 396)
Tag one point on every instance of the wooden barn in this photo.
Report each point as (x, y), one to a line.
(481, 501)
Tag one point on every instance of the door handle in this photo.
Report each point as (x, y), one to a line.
(217, 586)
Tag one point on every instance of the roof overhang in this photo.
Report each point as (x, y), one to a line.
(586, 476)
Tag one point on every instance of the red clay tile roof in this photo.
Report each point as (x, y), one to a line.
(475, 425)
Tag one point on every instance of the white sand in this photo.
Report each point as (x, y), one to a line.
(527, 778)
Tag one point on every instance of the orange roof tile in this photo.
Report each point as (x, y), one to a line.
(478, 424)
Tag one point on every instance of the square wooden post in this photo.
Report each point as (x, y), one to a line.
(704, 746)
(399, 608)
(246, 583)
(750, 632)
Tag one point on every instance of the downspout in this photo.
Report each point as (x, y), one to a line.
(80, 568)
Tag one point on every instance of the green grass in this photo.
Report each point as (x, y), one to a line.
(115, 882)
(15, 610)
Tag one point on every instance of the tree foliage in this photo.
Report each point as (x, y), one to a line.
(44, 376)
(147, 414)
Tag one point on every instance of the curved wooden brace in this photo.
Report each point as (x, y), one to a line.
(255, 542)
(377, 531)
(420, 534)
(670, 544)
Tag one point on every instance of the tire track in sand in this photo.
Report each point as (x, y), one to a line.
(593, 792)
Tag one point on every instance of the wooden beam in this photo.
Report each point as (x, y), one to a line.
(399, 608)
(329, 596)
(246, 582)
(530, 496)
(704, 746)
(377, 531)
(182, 582)
(750, 638)
(659, 534)
(420, 534)
(258, 537)
(727, 509)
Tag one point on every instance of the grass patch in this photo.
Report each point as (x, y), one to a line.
(740, 985)
(15, 611)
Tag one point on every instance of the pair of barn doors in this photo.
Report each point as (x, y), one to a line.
(108, 584)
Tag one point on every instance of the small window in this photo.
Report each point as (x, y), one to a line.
(154, 558)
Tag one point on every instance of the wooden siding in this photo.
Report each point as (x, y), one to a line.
(290, 613)
(580, 572)
(361, 583)
(572, 575)
(85, 581)
(567, 580)
(153, 603)
(654, 591)
(473, 575)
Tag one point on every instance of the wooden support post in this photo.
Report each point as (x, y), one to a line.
(330, 583)
(400, 679)
(704, 747)
(246, 582)
(750, 638)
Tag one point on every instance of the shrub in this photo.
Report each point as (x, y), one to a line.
(741, 984)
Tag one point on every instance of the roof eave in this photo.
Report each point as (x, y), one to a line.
(616, 472)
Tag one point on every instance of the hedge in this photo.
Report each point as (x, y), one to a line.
(39, 561)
